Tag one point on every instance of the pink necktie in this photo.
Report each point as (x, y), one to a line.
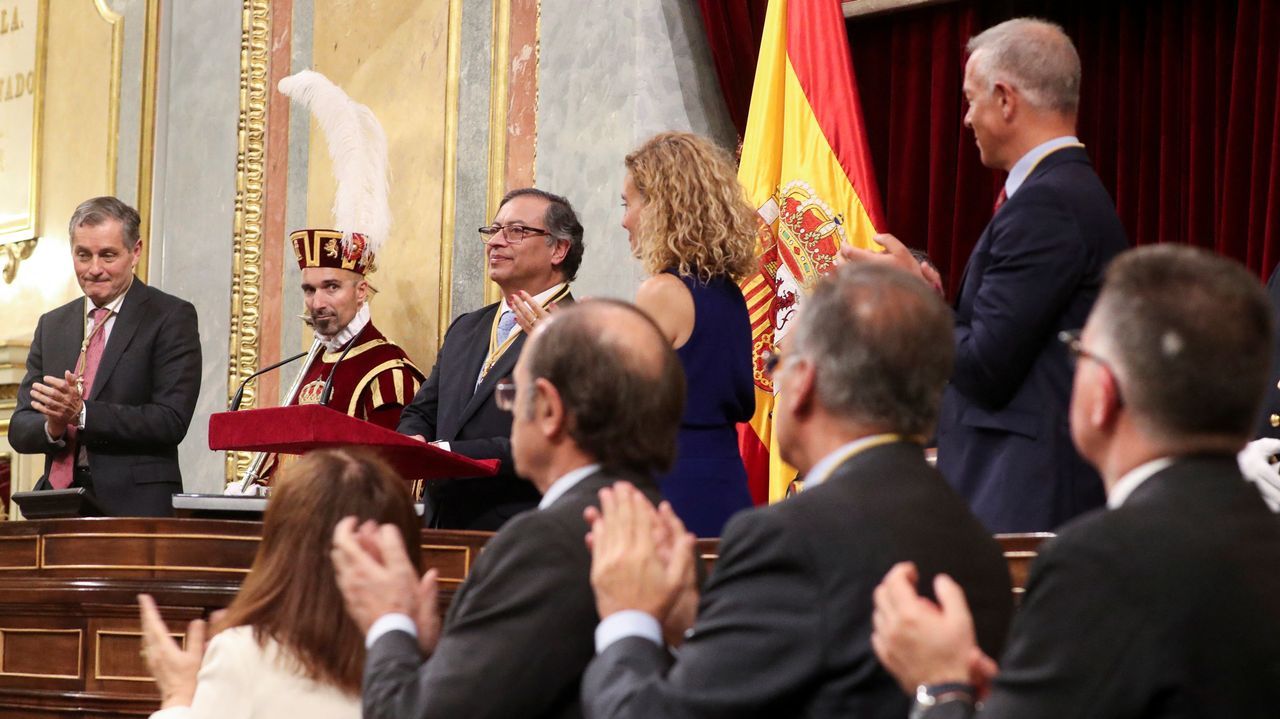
(60, 474)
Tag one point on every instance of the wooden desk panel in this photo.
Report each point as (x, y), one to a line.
(69, 633)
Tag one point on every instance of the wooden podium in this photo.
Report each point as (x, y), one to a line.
(301, 428)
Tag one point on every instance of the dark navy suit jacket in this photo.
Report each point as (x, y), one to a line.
(1003, 436)
(141, 402)
(451, 407)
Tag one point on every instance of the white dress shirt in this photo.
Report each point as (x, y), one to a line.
(1027, 163)
(1134, 479)
(114, 309)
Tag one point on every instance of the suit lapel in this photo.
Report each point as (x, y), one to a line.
(460, 383)
(68, 334)
(500, 369)
(122, 332)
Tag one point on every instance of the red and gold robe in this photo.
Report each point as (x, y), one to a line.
(374, 381)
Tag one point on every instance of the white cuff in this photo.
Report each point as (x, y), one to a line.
(393, 622)
(59, 442)
(627, 623)
(442, 445)
(83, 410)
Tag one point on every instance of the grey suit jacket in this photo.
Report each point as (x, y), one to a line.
(784, 623)
(519, 632)
(141, 402)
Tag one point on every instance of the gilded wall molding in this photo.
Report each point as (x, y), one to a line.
(246, 254)
(147, 128)
(498, 94)
(449, 203)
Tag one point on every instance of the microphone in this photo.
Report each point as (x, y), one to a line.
(328, 383)
(235, 401)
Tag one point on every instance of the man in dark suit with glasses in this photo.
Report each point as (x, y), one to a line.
(532, 249)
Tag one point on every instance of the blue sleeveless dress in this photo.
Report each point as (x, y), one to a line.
(709, 483)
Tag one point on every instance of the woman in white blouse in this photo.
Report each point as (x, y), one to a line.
(287, 647)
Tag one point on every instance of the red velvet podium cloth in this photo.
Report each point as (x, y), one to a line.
(299, 429)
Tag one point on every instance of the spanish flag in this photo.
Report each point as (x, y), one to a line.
(806, 168)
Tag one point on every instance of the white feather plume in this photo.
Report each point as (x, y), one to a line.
(358, 148)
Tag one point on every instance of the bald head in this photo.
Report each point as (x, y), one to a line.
(621, 383)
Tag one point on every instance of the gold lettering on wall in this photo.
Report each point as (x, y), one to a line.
(21, 53)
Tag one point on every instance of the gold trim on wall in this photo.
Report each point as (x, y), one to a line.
(147, 130)
(246, 257)
(116, 21)
(498, 90)
(448, 203)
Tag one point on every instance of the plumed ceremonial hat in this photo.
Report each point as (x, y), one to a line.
(358, 149)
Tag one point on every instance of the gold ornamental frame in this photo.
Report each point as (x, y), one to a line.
(18, 241)
(246, 252)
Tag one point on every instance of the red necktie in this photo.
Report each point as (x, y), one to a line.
(60, 474)
(1000, 198)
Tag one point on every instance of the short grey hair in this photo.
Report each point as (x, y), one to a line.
(98, 210)
(1190, 337)
(1034, 56)
(882, 344)
(562, 222)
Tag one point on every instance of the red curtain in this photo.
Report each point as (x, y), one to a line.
(1179, 113)
(733, 31)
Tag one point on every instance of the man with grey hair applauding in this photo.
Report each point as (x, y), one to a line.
(113, 376)
(859, 386)
(1003, 440)
(1167, 604)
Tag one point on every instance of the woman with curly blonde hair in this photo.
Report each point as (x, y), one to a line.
(688, 220)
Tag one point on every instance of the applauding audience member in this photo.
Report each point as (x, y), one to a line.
(1166, 604)
(288, 647)
(596, 397)
(859, 387)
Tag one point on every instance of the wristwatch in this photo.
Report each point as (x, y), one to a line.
(930, 695)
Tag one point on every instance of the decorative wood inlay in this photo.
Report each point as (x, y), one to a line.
(201, 553)
(451, 561)
(41, 653)
(117, 656)
(19, 553)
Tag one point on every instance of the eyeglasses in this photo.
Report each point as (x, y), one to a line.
(1075, 347)
(514, 233)
(504, 395)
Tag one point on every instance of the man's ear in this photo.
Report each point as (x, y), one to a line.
(137, 254)
(548, 409)
(560, 251)
(1107, 403)
(1006, 99)
(362, 290)
(801, 387)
